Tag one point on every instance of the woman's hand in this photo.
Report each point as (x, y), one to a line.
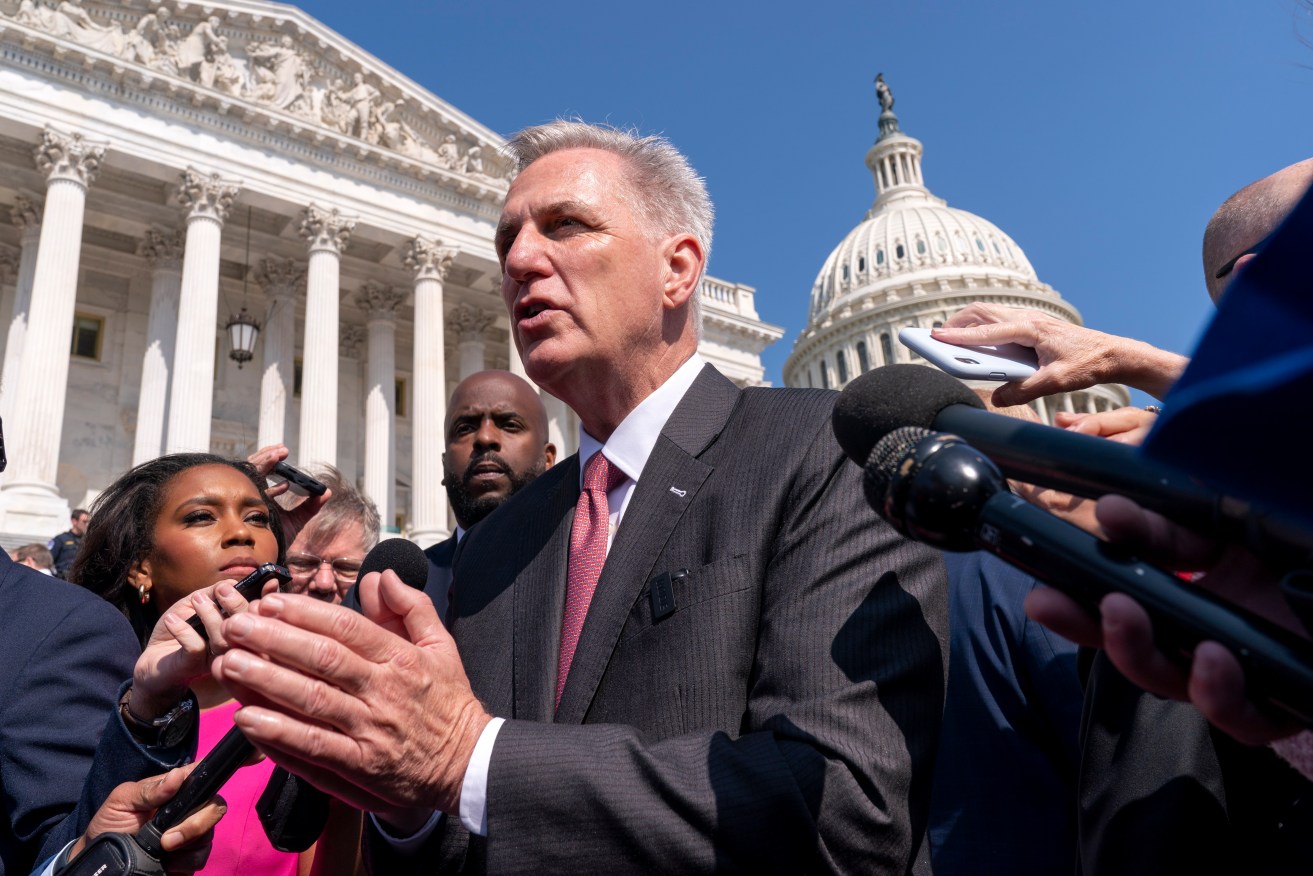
(176, 654)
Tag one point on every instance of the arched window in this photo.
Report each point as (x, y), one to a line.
(940, 243)
(863, 360)
(879, 256)
(980, 244)
(825, 374)
(920, 246)
(842, 361)
(845, 272)
(938, 324)
(861, 264)
(887, 348)
(900, 252)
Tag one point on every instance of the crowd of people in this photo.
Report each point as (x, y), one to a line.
(690, 647)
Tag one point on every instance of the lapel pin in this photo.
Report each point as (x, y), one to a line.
(678, 492)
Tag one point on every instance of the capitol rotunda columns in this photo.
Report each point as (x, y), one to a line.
(428, 517)
(327, 233)
(30, 499)
(164, 250)
(380, 304)
(208, 199)
(281, 280)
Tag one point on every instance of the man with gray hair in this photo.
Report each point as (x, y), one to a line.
(325, 556)
(691, 647)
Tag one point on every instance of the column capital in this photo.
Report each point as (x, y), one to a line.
(379, 301)
(429, 259)
(207, 196)
(279, 278)
(353, 338)
(26, 213)
(470, 322)
(326, 229)
(163, 248)
(69, 157)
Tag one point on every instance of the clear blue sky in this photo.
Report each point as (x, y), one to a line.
(1099, 135)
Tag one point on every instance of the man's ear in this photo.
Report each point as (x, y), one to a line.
(684, 263)
(445, 471)
(549, 453)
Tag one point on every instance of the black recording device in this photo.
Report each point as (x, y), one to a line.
(893, 396)
(250, 587)
(936, 488)
(120, 854)
(298, 481)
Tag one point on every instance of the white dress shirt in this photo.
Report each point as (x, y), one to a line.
(628, 449)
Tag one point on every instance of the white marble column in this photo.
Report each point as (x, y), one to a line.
(428, 501)
(191, 396)
(350, 370)
(327, 232)
(164, 250)
(26, 214)
(281, 280)
(380, 305)
(30, 501)
(470, 324)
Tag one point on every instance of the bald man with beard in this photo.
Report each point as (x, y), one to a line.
(496, 440)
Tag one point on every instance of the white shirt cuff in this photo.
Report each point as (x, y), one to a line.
(474, 790)
(49, 868)
(473, 797)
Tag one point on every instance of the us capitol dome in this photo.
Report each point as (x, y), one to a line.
(912, 262)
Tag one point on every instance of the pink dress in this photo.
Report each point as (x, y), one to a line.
(240, 846)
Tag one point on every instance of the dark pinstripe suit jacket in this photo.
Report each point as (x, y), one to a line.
(781, 716)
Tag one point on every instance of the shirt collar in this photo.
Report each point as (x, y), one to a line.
(632, 441)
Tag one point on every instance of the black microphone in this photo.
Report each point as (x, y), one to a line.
(402, 556)
(879, 401)
(936, 488)
(293, 811)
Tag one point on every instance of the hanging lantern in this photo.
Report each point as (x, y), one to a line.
(242, 333)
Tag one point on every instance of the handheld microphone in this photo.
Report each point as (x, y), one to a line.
(293, 811)
(882, 400)
(938, 489)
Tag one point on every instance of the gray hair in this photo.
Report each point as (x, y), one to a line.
(671, 197)
(347, 504)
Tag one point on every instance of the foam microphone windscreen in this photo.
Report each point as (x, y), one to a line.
(888, 398)
(401, 556)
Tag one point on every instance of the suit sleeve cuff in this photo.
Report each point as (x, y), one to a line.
(473, 797)
(474, 790)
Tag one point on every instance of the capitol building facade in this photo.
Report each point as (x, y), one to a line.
(174, 176)
(912, 262)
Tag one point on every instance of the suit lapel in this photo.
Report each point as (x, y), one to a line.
(667, 487)
(540, 597)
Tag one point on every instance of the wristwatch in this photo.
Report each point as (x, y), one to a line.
(168, 729)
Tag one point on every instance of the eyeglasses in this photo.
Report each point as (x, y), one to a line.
(1253, 250)
(304, 566)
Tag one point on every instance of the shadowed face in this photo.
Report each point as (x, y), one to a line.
(496, 443)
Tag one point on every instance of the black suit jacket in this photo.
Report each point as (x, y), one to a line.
(781, 717)
(64, 652)
(438, 584)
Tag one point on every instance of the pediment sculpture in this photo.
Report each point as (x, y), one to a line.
(277, 74)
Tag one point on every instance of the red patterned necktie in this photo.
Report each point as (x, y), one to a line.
(587, 554)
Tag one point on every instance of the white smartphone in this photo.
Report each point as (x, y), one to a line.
(1003, 362)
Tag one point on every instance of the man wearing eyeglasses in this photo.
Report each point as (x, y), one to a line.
(325, 557)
